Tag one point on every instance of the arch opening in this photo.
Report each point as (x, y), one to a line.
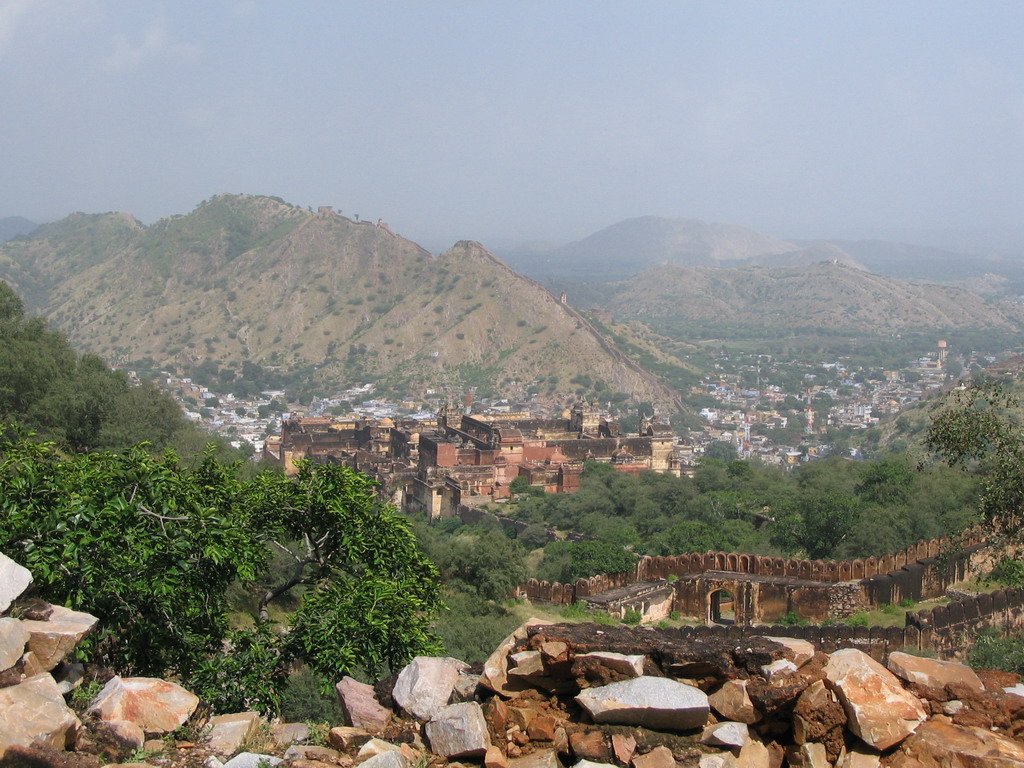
(723, 607)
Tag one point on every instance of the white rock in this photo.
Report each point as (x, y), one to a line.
(495, 674)
(13, 637)
(377, 747)
(390, 759)
(813, 755)
(653, 702)
(779, 668)
(229, 732)
(252, 760)
(426, 684)
(721, 760)
(592, 764)
(14, 580)
(727, 734)
(1017, 690)
(933, 672)
(458, 730)
(34, 712)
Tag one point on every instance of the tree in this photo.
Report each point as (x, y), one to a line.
(488, 564)
(722, 450)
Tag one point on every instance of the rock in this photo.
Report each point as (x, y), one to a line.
(229, 732)
(857, 758)
(426, 684)
(653, 702)
(542, 728)
(69, 677)
(360, 705)
(497, 714)
(345, 737)
(627, 665)
(55, 638)
(659, 757)
(522, 716)
(495, 674)
(818, 716)
(13, 638)
(932, 672)
(286, 734)
(128, 736)
(727, 734)
(156, 706)
(14, 580)
(311, 752)
(720, 760)
(943, 745)
(732, 702)
(778, 668)
(590, 745)
(495, 758)
(754, 755)
(545, 758)
(797, 651)
(388, 759)
(623, 746)
(465, 688)
(527, 664)
(376, 747)
(878, 709)
(813, 756)
(458, 730)
(34, 713)
(592, 764)
(953, 707)
(252, 760)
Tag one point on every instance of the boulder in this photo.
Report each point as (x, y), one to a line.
(652, 702)
(878, 709)
(128, 736)
(252, 760)
(936, 744)
(424, 686)
(592, 764)
(360, 705)
(623, 746)
(545, 758)
(778, 669)
(719, 760)
(376, 747)
(754, 755)
(458, 730)
(732, 702)
(659, 757)
(627, 665)
(858, 758)
(527, 664)
(813, 755)
(311, 752)
(33, 713)
(346, 737)
(392, 758)
(286, 734)
(156, 706)
(229, 732)
(14, 580)
(590, 745)
(13, 637)
(818, 716)
(932, 672)
(495, 758)
(495, 674)
(53, 639)
(728, 734)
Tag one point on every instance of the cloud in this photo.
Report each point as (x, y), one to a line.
(11, 14)
(129, 56)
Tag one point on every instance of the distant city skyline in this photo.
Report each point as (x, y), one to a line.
(509, 123)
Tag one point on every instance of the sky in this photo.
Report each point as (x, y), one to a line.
(525, 121)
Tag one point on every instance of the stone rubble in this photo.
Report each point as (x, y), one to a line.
(551, 696)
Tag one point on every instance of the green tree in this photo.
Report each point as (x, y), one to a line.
(487, 564)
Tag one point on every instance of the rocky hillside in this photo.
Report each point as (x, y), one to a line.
(550, 695)
(823, 296)
(246, 278)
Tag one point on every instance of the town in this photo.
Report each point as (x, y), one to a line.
(433, 457)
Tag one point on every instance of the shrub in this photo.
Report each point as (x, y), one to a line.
(304, 700)
(632, 616)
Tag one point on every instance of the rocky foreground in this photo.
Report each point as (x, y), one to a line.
(550, 695)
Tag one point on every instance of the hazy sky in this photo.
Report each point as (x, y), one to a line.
(518, 120)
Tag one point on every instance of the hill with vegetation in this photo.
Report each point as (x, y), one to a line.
(252, 280)
(825, 295)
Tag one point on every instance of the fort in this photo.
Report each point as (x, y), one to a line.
(737, 595)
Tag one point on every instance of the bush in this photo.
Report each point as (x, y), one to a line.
(632, 616)
(305, 700)
(1009, 572)
(993, 651)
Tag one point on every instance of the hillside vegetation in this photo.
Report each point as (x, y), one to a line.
(246, 278)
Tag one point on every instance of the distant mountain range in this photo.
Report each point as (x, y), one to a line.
(630, 247)
(13, 226)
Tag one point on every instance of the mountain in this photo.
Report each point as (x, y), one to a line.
(253, 279)
(13, 226)
(631, 246)
(821, 296)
